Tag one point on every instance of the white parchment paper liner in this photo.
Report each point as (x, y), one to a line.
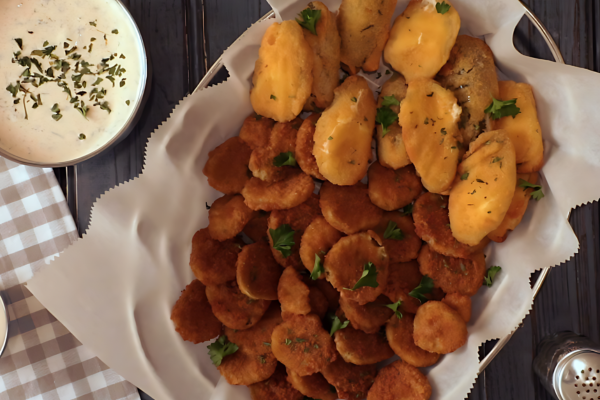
(115, 288)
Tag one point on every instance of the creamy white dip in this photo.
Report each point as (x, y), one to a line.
(41, 138)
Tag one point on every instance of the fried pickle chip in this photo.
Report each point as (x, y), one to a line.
(318, 238)
(275, 388)
(213, 262)
(257, 228)
(281, 140)
(256, 131)
(517, 208)
(368, 318)
(399, 332)
(390, 146)
(460, 303)
(298, 218)
(257, 272)
(330, 293)
(400, 381)
(302, 345)
(364, 27)
(453, 275)
(326, 51)
(400, 246)
(402, 279)
(192, 315)
(351, 381)
(253, 361)
(344, 133)
(348, 208)
(283, 72)
(349, 260)
(429, 116)
(314, 386)
(484, 188)
(421, 40)
(438, 328)
(360, 348)
(293, 190)
(293, 294)
(304, 147)
(432, 224)
(227, 217)
(393, 189)
(227, 166)
(318, 302)
(523, 130)
(470, 74)
(233, 308)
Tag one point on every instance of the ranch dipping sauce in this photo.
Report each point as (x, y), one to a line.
(71, 74)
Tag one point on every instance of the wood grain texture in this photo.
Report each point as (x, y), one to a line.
(184, 38)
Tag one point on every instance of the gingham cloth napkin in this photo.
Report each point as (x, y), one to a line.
(42, 360)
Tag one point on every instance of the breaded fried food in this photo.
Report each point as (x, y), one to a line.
(484, 187)
(429, 116)
(351, 381)
(399, 333)
(360, 348)
(393, 189)
(256, 130)
(257, 272)
(253, 361)
(326, 51)
(293, 294)
(318, 302)
(213, 262)
(341, 203)
(460, 303)
(438, 328)
(302, 345)
(523, 130)
(364, 27)
(517, 208)
(344, 133)
(400, 246)
(304, 147)
(275, 388)
(192, 315)
(368, 318)
(470, 74)
(330, 293)
(227, 166)
(432, 224)
(293, 190)
(318, 238)
(390, 146)
(350, 259)
(421, 39)
(314, 386)
(233, 308)
(281, 140)
(453, 275)
(298, 218)
(227, 217)
(400, 381)
(257, 229)
(402, 279)
(283, 72)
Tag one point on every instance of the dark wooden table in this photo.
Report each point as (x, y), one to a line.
(185, 37)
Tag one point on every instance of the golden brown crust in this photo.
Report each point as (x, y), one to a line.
(370, 317)
(351, 381)
(393, 189)
(275, 388)
(192, 315)
(399, 332)
(213, 262)
(257, 272)
(360, 348)
(233, 308)
(293, 190)
(400, 381)
(256, 131)
(314, 386)
(402, 250)
(460, 303)
(293, 294)
(402, 279)
(330, 293)
(304, 147)
(227, 217)
(257, 229)
(438, 328)
(227, 166)
(318, 238)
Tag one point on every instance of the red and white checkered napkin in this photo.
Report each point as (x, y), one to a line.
(42, 360)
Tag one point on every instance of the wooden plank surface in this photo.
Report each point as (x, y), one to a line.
(184, 37)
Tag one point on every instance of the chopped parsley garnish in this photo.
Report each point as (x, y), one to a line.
(337, 324)
(394, 307)
(317, 269)
(537, 193)
(368, 278)
(442, 8)
(19, 43)
(464, 176)
(283, 239)
(390, 101)
(385, 117)
(220, 349)
(425, 287)
(285, 159)
(408, 210)
(309, 19)
(115, 31)
(273, 97)
(488, 279)
(393, 232)
(499, 109)
(353, 99)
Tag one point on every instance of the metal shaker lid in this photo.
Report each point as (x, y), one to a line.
(577, 376)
